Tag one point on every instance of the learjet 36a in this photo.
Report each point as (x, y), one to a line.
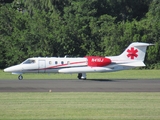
(132, 57)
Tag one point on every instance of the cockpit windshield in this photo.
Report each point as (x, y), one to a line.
(29, 61)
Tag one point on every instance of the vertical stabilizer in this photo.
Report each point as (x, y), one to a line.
(135, 51)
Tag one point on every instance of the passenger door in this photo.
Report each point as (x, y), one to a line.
(42, 66)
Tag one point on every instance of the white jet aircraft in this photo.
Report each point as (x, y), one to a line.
(132, 57)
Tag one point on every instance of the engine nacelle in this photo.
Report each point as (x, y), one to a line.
(96, 61)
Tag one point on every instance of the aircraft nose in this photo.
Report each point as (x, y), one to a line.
(15, 68)
(6, 70)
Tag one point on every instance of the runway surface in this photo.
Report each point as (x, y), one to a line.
(113, 85)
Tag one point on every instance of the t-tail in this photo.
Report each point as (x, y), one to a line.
(133, 56)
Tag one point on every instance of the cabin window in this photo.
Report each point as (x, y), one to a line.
(62, 62)
(56, 62)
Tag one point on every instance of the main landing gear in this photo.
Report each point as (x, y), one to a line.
(20, 77)
(81, 76)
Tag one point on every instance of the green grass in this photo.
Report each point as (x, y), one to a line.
(127, 74)
(80, 106)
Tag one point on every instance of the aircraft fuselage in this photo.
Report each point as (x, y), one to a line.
(60, 65)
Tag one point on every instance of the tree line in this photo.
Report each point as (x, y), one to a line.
(30, 28)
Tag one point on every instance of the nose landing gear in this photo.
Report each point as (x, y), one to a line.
(20, 77)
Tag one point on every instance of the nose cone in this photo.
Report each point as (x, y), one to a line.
(6, 70)
(9, 69)
(15, 68)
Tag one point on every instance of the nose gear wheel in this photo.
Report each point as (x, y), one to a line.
(20, 77)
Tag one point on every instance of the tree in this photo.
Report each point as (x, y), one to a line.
(152, 25)
(12, 26)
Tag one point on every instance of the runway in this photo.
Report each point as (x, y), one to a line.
(112, 85)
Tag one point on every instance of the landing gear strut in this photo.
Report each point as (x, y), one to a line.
(82, 76)
(20, 77)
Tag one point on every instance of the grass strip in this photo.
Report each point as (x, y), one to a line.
(80, 106)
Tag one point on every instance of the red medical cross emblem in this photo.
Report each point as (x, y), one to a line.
(132, 52)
